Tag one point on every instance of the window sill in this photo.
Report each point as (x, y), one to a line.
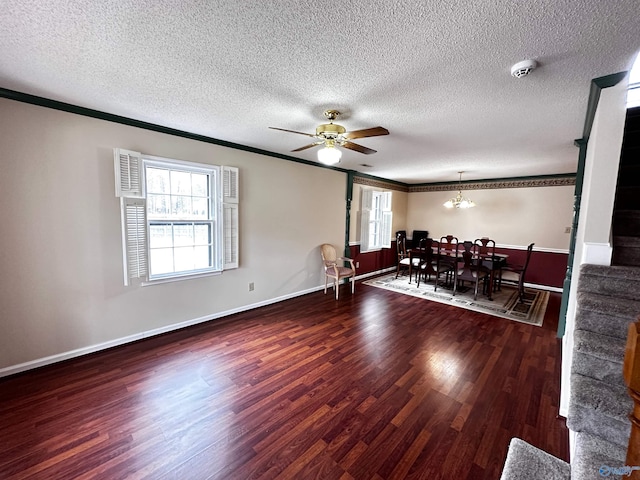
(180, 278)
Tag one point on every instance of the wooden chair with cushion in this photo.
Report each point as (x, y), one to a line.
(428, 261)
(403, 261)
(469, 269)
(514, 274)
(334, 268)
(487, 251)
(447, 251)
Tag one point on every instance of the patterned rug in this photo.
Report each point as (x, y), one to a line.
(505, 303)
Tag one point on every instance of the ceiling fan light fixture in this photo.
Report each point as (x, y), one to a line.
(329, 155)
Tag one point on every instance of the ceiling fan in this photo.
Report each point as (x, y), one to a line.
(332, 135)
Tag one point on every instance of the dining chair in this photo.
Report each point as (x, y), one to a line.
(446, 259)
(515, 274)
(487, 252)
(469, 269)
(404, 259)
(428, 265)
(447, 253)
(334, 268)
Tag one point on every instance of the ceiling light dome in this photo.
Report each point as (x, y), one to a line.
(329, 155)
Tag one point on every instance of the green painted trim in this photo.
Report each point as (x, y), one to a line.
(109, 117)
(380, 179)
(349, 198)
(597, 84)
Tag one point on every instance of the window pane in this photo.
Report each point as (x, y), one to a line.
(160, 236)
(182, 235)
(157, 180)
(202, 257)
(200, 207)
(184, 259)
(181, 206)
(202, 234)
(180, 183)
(158, 205)
(161, 261)
(199, 185)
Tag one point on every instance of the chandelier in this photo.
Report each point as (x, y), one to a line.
(459, 201)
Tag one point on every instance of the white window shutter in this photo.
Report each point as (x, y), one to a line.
(386, 201)
(230, 227)
(230, 181)
(366, 203)
(230, 217)
(134, 238)
(367, 200)
(386, 229)
(128, 170)
(365, 216)
(387, 217)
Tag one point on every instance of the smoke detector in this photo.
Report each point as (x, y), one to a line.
(522, 69)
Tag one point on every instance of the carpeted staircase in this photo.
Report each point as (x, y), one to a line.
(607, 301)
(599, 405)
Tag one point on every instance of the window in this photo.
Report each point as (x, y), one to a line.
(179, 218)
(376, 216)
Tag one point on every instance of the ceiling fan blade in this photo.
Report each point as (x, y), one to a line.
(307, 146)
(367, 132)
(358, 148)
(293, 131)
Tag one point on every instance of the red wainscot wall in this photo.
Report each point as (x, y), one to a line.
(374, 261)
(545, 268)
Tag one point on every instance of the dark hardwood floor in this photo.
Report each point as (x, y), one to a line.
(377, 385)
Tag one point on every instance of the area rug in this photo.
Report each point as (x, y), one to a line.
(505, 302)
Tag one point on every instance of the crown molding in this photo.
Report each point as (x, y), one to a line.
(379, 183)
(559, 181)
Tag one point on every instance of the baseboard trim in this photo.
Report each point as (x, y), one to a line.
(43, 362)
(60, 357)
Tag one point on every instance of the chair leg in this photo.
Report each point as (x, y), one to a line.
(325, 284)
(337, 287)
(353, 285)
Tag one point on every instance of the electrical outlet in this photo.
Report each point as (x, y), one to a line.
(251, 287)
(567, 230)
(357, 264)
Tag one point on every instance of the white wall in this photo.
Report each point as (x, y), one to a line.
(62, 287)
(539, 214)
(593, 244)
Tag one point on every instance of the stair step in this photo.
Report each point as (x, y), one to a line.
(626, 252)
(627, 198)
(600, 409)
(594, 367)
(616, 280)
(592, 453)
(628, 174)
(598, 356)
(605, 315)
(626, 222)
(526, 462)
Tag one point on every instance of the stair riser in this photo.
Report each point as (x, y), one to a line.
(581, 419)
(629, 256)
(602, 323)
(603, 370)
(611, 286)
(626, 225)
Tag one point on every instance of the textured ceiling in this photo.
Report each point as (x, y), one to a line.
(436, 74)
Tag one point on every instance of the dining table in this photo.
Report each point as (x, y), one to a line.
(491, 262)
